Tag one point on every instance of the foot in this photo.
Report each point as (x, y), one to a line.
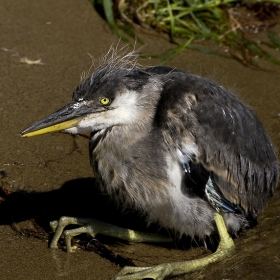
(162, 271)
(94, 227)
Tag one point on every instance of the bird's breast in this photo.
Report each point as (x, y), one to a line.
(131, 167)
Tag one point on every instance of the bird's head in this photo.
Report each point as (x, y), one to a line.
(111, 96)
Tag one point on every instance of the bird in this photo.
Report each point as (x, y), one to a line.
(177, 147)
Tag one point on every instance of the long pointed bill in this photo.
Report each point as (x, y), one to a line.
(67, 117)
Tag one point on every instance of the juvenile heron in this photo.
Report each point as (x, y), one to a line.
(175, 146)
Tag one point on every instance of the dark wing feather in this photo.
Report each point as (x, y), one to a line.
(196, 178)
(232, 143)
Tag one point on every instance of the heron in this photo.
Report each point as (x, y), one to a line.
(175, 146)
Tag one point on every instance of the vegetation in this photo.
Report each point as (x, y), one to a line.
(229, 25)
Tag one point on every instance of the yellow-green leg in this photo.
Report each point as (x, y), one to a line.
(161, 271)
(94, 227)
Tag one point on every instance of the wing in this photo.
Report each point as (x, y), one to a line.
(210, 126)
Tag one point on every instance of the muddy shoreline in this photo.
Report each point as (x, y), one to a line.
(56, 168)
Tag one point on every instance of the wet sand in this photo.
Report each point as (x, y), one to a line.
(61, 34)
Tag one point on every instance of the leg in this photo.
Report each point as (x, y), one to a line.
(161, 271)
(94, 227)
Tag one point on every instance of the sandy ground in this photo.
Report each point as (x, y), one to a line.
(52, 167)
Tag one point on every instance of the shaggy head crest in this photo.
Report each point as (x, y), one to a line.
(114, 60)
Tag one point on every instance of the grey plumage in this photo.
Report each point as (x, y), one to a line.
(180, 118)
(163, 135)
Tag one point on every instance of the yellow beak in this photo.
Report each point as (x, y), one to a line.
(52, 128)
(67, 117)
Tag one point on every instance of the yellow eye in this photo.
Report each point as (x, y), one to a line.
(105, 100)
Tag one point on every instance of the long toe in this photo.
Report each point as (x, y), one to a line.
(158, 272)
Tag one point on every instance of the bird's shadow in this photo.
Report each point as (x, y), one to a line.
(76, 198)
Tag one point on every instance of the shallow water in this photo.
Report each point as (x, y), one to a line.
(61, 33)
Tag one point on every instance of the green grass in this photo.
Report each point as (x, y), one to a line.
(191, 23)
